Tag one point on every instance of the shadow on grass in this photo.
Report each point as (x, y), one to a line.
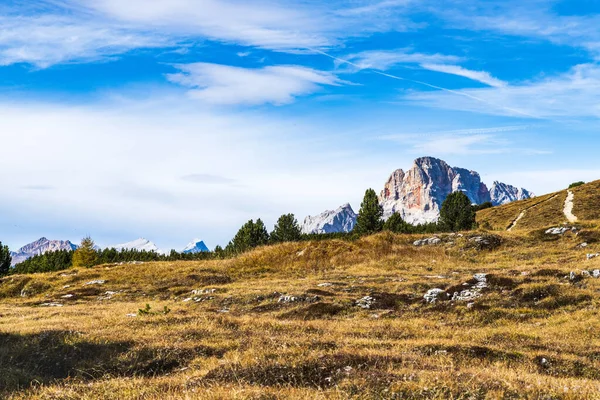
(41, 358)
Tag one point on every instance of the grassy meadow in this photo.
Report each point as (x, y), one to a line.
(533, 332)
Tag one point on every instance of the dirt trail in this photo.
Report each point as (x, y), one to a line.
(514, 223)
(568, 209)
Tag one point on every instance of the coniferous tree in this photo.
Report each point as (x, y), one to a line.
(86, 255)
(286, 229)
(396, 224)
(5, 260)
(369, 218)
(251, 234)
(457, 213)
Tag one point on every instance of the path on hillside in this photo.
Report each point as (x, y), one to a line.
(568, 209)
(514, 223)
(524, 211)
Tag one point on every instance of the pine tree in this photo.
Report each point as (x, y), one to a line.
(286, 229)
(396, 224)
(369, 218)
(457, 213)
(251, 234)
(5, 260)
(85, 256)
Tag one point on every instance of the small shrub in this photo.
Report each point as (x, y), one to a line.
(576, 184)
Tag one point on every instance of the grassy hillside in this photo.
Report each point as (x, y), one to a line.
(544, 211)
(354, 323)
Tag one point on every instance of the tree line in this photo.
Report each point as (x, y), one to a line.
(457, 214)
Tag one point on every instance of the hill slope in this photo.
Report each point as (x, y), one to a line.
(544, 211)
(328, 319)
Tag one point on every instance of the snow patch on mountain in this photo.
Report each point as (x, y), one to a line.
(195, 246)
(140, 244)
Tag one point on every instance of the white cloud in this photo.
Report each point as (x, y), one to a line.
(462, 141)
(570, 95)
(385, 59)
(45, 40)
(479, 76)
(169, 171)
(223, 84)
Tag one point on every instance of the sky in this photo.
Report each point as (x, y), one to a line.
(181, 119)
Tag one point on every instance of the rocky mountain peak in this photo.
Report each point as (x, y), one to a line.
(501, 193)
(342, 219)
(418, 194)
(40, 246)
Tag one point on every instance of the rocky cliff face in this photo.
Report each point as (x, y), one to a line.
(418, 194)
(38, 247)
(341, 220)
(501, 193)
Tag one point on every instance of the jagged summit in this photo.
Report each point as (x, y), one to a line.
(40, 246)
(501, 193)
(341, 220)
(419, 193)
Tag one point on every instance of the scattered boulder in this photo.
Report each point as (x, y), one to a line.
(590, 256)
(366, 302)
(428, 241)
(298, 299)
(557, 231)
(434, 295)
(51, 305)
(96, 282)
(485, 242)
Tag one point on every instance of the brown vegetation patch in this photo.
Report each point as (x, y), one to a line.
(314, 311)
(323, 372)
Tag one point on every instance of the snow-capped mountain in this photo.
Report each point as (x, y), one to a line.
(38, 247)
(195, 246)
(418, 194)
(341, 220)
(138, 244)
(501, 193)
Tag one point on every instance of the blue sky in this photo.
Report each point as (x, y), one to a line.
(178, 119)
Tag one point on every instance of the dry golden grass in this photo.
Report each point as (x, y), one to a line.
(532, 334)
(544, 211)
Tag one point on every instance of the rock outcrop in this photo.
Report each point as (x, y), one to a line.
(341, 220)
(417, 195)
(39, 247)
(501, 193)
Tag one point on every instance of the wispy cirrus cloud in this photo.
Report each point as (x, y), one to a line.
(573, 94)
(460, 141)
(386, 59)
(479, 76)
(228, 85)
(43, 41)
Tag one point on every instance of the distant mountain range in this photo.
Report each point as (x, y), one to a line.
(40, 246)
(43, 245)
(417, 195)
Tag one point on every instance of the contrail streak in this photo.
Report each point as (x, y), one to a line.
(456, 92)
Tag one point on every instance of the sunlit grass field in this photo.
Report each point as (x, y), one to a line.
(324, 320)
